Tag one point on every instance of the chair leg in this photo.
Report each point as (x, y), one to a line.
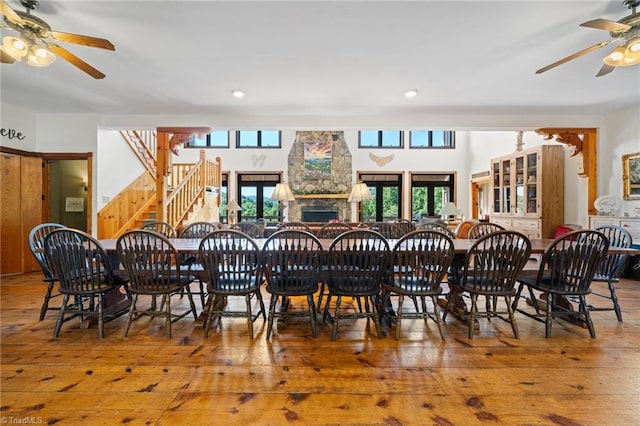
(202, 295)
(63, 308)
(247, 299)
(587, 316)
(516, 299)
(168, 313)
(213, 300)
(264, 312)
(132, 308)
(272, 313)
(323, 286)
(192, 303)
(312, 315)
(100, 315)
(399, 316)
(448, 305)
(614, 299)
(512, 318)
(325, 314)
(472, 314)
(376, 317)
(47, 297)
(334, 330)
(548, 315)
(437, 317)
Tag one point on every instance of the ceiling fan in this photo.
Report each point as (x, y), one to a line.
(626, 31)
(33, 44)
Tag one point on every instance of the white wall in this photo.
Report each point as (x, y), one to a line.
(18, 121)
(621, 136)
(117, 166)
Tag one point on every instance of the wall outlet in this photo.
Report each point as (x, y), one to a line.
(106, 198)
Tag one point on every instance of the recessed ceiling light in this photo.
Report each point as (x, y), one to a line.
(411, 93)
(237, 93)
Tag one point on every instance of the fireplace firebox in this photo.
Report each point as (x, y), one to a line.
(315, 214)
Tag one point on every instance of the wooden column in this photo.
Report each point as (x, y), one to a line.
(585, 141)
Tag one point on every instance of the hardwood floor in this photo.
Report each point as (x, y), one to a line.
(146, 378)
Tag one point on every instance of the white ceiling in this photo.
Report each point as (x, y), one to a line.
(327, 58)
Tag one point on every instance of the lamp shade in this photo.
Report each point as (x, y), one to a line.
(282, 192)
(360, 192)
(40, 56)
(233, 206)
(624, 55)
(449, 209)
(17, 47)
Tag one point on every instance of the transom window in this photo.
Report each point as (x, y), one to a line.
(432, 139)
(380, 139)
(215, 139)
(258, 139)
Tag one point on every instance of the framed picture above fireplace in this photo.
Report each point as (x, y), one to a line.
(317, 160)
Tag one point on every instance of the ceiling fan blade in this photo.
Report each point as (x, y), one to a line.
(607, 25)
(5, 58)
(606, 69)
(74, 60)
(10, 13)
(574, 56)
(82, 39)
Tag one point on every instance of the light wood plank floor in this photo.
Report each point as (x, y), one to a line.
(227, 378)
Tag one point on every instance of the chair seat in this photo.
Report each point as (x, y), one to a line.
(293, 286)
(487, 286)
(545, 285)
(236, 285)
(414, 286)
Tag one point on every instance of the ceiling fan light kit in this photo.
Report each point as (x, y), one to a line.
(32, 44)
(626, 30)
(22, 47)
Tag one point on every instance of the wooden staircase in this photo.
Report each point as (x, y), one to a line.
(171, 193)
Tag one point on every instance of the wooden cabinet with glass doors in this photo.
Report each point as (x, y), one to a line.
(528, 190)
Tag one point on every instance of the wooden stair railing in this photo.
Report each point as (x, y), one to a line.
(190, 191)
(144, 144)
(183, 189)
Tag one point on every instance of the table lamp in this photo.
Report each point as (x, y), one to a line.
(232, 211)
(282, 193)
(448, 210)
(360, 192)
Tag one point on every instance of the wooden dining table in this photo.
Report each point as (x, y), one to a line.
(461, 245)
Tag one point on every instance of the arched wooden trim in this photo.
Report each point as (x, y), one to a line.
(585, 141)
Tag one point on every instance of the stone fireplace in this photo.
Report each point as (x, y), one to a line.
(325, 197)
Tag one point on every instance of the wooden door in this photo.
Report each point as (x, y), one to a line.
(31, 205)
(20, 211)
(10, 227)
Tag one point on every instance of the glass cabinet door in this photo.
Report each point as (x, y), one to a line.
(519, 185)
(506, 186)
(532, 183)
(496, 187)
